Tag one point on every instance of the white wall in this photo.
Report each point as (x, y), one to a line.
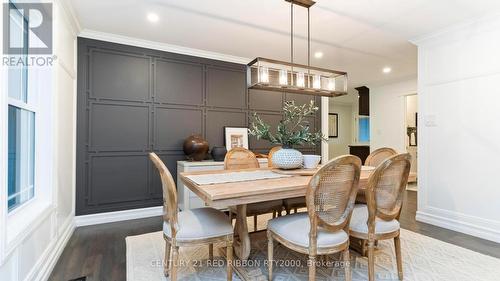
(339, 146)
(387, 114)
(32, 255)
(459, 147)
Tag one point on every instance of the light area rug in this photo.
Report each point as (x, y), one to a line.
(424, 259)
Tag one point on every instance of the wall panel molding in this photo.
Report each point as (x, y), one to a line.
(133, 100)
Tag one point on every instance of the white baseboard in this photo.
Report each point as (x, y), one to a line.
(482, 228)
(42, 270)
(118, 216)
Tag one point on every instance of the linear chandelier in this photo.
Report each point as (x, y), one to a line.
(275, 75)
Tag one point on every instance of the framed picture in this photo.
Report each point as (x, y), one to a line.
(236, 137)
(333, 125)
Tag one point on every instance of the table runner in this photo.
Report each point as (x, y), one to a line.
(235, 177)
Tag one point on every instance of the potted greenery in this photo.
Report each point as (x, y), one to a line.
(292, 130)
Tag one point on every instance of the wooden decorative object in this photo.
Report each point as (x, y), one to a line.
(384, 194)
(330, 200)
(170, 216)
(195, 147)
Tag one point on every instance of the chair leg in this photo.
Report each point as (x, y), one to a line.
(371, 261)
(175, 263)
(211, 251)
(399, 258)
(274, 214)
(287, 210)
(270, 253)
(312, 268)
(166, 261)
(294, 210)
(347, 265)
(255, 223)
(229, 258)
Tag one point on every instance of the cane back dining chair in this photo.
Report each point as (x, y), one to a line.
(378, 219)
(379, 155)
(242, 158)
(189, 227)
(374, 159)
(323, 230)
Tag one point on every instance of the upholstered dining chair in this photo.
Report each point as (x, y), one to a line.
(189, 227)
(379, 155)
(324, 229)
(378, 219)
(289, 203)
(242, 158)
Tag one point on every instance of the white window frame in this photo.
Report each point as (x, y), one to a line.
(20, 221)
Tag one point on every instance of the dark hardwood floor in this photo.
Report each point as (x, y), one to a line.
(98, 252)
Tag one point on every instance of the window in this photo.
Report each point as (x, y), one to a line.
(21, 121)
(364, 129)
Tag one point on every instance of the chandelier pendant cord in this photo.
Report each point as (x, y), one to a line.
(308, 40)
(291, 40)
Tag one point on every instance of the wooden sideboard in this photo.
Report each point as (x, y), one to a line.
(187, 199)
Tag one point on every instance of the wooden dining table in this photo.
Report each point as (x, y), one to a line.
(241, 193)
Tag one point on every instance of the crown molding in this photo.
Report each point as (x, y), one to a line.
(131, 41)
(70, 14)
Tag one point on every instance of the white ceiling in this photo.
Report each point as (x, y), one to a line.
(357, 36)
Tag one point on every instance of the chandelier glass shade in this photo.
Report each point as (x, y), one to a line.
(274, 75)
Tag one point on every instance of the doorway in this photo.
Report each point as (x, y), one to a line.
(411, 125)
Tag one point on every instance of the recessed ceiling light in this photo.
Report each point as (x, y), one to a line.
(386, 70)
(152, 17)
(318, 55)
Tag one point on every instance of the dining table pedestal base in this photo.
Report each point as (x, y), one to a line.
(241, 264)
(241, 236)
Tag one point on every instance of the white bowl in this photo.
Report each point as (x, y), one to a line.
(311, 161)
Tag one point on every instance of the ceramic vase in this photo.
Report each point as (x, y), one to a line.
(287, 158)
(195, 147)
(218, 153)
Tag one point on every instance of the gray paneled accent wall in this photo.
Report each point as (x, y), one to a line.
(133, 100)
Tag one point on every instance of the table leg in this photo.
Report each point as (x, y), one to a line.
(241, 236)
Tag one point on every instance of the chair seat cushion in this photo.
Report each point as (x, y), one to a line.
(200, 223)
(360, 217)
(295, 229)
